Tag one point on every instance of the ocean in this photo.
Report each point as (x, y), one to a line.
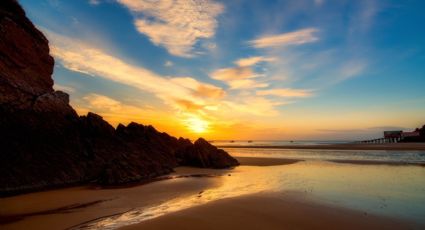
(391, 156)
(275, 142)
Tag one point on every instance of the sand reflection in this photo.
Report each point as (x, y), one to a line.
(387, 190)
(241, 181)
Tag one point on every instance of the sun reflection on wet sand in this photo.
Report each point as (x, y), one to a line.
(387, 190)
(242, 181)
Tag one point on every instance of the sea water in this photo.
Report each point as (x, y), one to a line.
(390, 156)
(275, 142)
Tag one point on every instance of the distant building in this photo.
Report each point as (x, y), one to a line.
(393, 134)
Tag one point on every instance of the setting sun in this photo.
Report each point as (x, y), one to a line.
(197, 125)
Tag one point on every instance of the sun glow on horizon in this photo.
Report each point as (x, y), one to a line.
(197, 125)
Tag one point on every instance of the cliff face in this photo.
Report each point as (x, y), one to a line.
(26, 66)
(44, 143)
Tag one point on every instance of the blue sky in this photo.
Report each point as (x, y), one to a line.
(308, 69)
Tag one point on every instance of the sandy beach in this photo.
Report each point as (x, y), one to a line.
(268, 212)
(209, 199)
(54, 209)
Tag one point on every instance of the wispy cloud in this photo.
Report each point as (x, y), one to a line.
(94, 2)
(258, 106)
(236, 73)
(238, 77)
(246, 84)
(78, 56)
(244, 62)
(351, 68)
(64, 88)
(364, 19)
(168, 64)
(104, 103)
(198, 88)
(241, 76)
(291, 38)
(176, 25)
(286, 92)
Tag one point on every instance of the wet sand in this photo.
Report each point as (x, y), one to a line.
(268, 212)
(66, 208)
(348, 146)
(264, 161)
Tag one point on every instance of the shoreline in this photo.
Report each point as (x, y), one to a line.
(348, 146)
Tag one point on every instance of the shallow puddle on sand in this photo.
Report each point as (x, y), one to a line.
(397, 191)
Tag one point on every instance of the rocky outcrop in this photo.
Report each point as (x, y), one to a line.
(203, 154)
(44, 143)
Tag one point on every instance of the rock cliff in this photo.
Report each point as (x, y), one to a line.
(44, 143)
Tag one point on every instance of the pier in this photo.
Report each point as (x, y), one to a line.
(391, 137)
(381, 140)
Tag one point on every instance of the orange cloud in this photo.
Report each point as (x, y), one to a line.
(78, 56)
(228, 74)
(189, 106)
(200, 89)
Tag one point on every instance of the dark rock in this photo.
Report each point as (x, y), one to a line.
(203, 154)
(45, 144)
(26, 66)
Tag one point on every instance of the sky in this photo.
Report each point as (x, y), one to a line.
(242, 69)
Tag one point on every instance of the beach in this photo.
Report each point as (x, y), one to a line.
(53, 209)
(264, 192)
(269, 212)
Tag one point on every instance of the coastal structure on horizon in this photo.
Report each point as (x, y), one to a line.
(398, 136)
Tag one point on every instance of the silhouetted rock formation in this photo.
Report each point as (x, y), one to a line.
(44, 143)
(203, 154)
